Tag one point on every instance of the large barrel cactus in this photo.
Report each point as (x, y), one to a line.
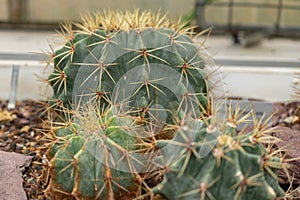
(138, 59)
(139, 70)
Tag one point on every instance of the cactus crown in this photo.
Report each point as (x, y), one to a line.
(124, 20)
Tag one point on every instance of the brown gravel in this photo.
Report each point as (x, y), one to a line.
(287, 119)
(20, 132)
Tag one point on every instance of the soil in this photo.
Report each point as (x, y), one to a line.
(21, 132)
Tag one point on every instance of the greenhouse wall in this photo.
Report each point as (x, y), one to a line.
(254, 15)
(3, 10)
(52, 11)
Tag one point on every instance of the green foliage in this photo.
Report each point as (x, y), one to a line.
(189, 18)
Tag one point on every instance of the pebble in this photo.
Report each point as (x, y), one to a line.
(287, 115)
(291, 119)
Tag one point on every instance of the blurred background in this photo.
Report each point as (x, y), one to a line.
(222, 13)
(51, 12)
(254, 42)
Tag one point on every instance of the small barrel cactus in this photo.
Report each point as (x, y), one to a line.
(97, 159)
(138, 59)
(204, 161)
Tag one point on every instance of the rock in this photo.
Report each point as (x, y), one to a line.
(291, 119)
(5, 115)
(278, 108)
(11, 182)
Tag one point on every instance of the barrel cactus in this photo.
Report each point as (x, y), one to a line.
(208, 161)
(136, 63)
(135, 89)
(138, 59)
(101, 157)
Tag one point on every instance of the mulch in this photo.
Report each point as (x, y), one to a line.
(21, 132)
